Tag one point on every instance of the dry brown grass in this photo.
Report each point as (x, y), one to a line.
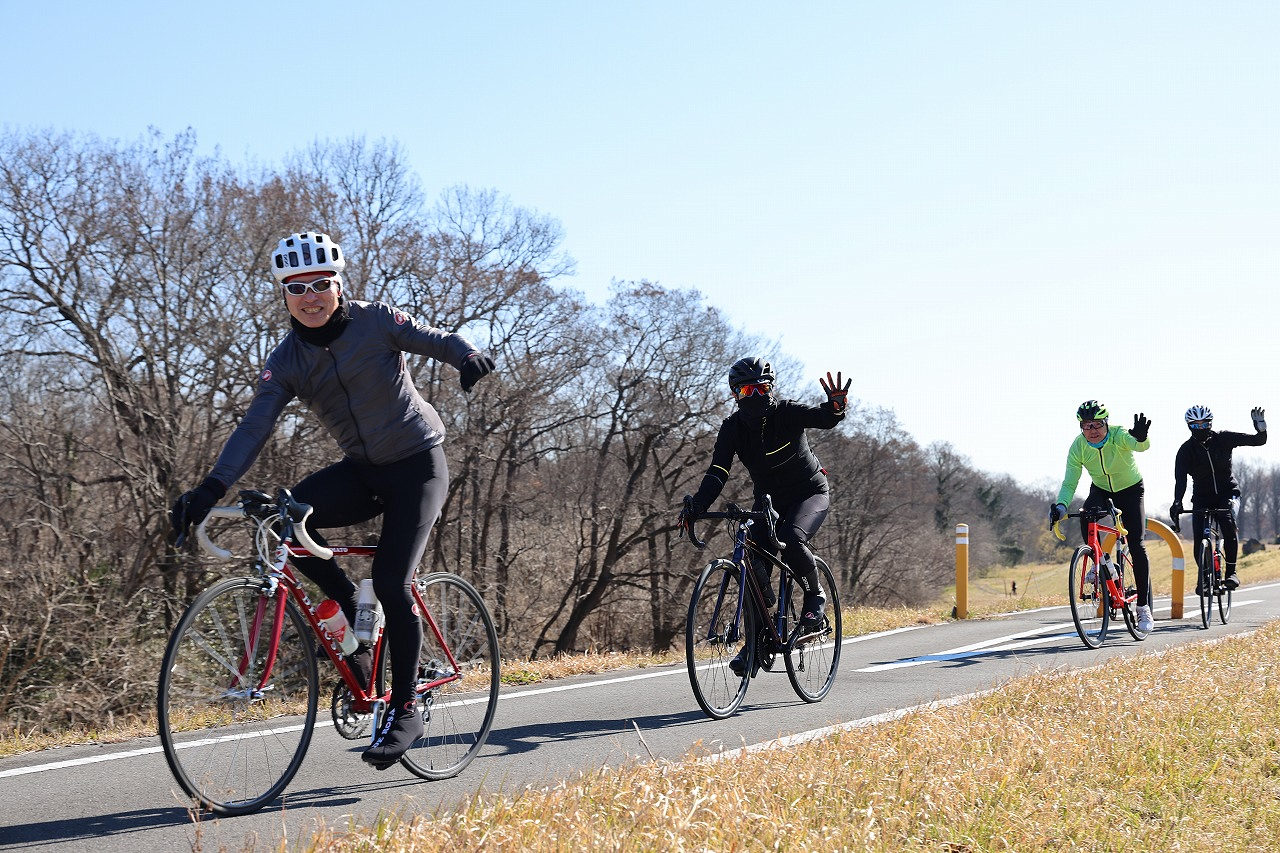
(1163, 753)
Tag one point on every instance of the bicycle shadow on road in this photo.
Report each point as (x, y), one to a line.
(55, 832)
(518, 739)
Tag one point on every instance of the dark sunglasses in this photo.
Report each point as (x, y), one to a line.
(1093, 425)
(761, 388)
(1199, 424)
(297, 288)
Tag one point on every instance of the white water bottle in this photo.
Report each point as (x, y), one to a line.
(368, 612)
(1110, 567)
(335, 622)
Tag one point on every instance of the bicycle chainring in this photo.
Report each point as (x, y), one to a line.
(350, 724)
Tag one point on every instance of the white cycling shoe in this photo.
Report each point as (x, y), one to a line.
(1145, 621)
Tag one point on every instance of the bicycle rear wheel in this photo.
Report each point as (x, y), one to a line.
(457, 715)
(236, 709)
(1205, 571)
(1088, 611)
(812, 664)
(716, 625)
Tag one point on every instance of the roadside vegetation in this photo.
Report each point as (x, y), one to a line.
(1161, 752)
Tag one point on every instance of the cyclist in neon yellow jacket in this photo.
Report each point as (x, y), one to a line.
(1106, 452)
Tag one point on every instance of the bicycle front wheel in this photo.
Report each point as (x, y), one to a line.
(716, 625)
(1224, 602)
(812, 663)
(237, 696)
(458, 674)
(1206, 582)
(1086, 591)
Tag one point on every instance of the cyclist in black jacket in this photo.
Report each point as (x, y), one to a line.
(345, 359)
(1206, 456)
(767, 434)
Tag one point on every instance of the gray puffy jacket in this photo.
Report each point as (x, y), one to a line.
(357, 386)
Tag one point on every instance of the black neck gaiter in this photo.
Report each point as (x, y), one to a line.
(329, 332)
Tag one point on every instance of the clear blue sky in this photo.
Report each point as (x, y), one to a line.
(985, 212)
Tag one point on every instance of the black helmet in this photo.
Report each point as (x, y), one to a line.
(749, 371)
(1092, 410)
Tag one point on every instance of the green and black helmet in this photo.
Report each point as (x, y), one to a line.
(1092, 410)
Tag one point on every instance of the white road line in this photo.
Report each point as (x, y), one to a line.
(998, 644)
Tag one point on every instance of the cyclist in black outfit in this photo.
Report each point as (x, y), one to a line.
(345, 360)
(1206, 456)
(767, 434)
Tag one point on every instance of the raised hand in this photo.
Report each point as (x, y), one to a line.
(1259, 416)
(837, 394)
(1141, 423)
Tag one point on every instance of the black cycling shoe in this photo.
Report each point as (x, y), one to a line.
(739, 664)
(401, 726)
(1199, 590)
(815, 605)
(361, 663)
(1231, 581)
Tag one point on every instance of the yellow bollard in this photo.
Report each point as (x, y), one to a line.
(962, 571)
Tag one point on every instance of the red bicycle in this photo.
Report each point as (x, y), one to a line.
(239, 686)
(1096, 580)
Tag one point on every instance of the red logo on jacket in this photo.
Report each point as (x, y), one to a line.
(266, 376)
(400, 318)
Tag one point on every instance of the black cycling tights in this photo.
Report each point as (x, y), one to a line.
(796, 525)
(1133, 510)
(409, 495)
(1227, 526)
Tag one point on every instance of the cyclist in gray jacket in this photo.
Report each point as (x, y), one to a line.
(345, 360)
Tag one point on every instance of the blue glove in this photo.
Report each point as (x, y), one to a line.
(1259, 416)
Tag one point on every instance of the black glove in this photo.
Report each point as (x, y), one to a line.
(1056, 512)
(193, 507)
(837, 394)
(1175, 510)
(473, 367)
(693, 508)
(1140, 426)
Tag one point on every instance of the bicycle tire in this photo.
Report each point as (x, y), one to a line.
(718, 620)
(457, 716)
(811, 667)
(1205, 571)
(1224, 601)
(1085, 599)
(1130, 609)
(233, 740)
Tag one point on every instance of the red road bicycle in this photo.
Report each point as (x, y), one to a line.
(239, 686)
(1096, 580)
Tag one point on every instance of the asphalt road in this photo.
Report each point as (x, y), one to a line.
(121, 797)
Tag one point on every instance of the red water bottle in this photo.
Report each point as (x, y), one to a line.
(335, 622)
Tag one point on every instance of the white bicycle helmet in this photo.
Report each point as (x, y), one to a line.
(307, 252)
(1199, 413)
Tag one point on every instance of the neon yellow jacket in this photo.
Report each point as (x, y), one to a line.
(1111, 466)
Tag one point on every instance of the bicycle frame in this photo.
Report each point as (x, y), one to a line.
(1116, 594)
(742, 544)
(276, 573)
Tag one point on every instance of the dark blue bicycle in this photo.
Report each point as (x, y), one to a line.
(729, 612)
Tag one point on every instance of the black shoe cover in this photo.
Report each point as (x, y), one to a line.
(401, 726)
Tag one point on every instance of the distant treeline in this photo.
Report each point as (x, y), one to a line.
(138, 312)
